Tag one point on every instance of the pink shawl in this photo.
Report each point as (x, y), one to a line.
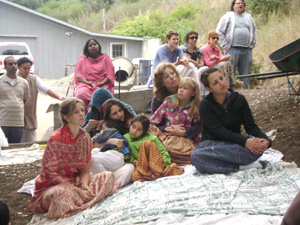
(95, 70)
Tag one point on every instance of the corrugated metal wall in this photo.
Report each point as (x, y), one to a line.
(52, 44)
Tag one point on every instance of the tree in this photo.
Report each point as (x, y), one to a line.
(31, 4)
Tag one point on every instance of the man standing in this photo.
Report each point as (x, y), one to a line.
(14, 92)
(35, 85)
(170, 52)
(238, 37)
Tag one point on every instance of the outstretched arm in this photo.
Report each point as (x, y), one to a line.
(54, 95)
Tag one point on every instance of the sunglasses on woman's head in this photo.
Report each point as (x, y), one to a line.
(213, 37)
(194, 38)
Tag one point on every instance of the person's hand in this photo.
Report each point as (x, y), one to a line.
(257, 145)
(86, 195)
(175, 130)
(90, 83)
(214, 57)
(61, 98)
(184, 61)
(262, 144)
(250, 144)
(226, 57)
(92, 123)
(115, 141)
(86, 187)
(99, 84)
(227, 48)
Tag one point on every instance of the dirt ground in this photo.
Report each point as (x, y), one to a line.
(271, 107)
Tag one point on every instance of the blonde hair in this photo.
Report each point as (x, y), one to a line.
(159, 90)
(189, 82)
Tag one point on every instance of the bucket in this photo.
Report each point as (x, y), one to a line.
(123, 68)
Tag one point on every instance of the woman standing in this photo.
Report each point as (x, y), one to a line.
(195, 56)
(213, 57)
(64, 186)
(223, 149)
(93, 70)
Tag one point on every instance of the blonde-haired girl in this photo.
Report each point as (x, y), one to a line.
(179, 110)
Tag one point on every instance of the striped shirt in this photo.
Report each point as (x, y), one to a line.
(12, 101)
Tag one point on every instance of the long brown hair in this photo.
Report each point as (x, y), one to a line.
(159, 90)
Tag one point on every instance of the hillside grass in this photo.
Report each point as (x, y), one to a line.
(274, 31)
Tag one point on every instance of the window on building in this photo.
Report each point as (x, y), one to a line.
(118, 49)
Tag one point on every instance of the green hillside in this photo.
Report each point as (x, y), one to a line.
(277, 20)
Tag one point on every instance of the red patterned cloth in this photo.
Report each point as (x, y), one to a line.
(55, 188)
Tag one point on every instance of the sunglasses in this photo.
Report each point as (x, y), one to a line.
(213, 37)
(194, 38)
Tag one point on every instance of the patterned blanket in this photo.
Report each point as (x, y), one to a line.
(255, 192)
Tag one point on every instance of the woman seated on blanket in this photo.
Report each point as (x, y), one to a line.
(148, 154)
(213, 57)
(93, 116)
(113, 112)
(179, 111)
(195, 55)
(64, 186)
(93, 70)
(223, 149)
(165, 84)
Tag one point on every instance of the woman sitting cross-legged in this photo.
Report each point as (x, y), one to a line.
(223, 149)
(64, 186)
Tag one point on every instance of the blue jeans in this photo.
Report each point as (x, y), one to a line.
(241, 58)
(13, 134)
(221, 157)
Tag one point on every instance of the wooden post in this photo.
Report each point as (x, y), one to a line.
(103, 18)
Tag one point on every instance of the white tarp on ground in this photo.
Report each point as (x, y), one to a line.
(198, 199)
(21, 155)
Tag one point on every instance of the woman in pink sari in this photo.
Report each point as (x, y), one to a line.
(93, 70)
(64, 186)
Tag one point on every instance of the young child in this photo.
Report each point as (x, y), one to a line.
(148, 154)
(174, 116)
(110, 157)
(111, 129)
